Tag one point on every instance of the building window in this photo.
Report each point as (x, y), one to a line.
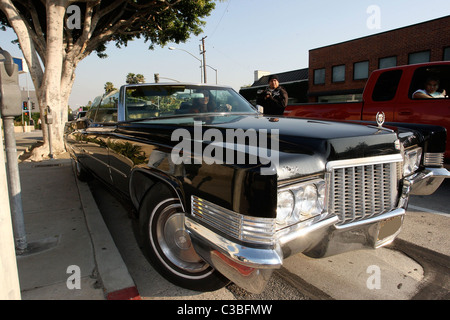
(419, 57)
(319, 76)
(339, 73)
(447, 54)
(361, 70)
(387, 62)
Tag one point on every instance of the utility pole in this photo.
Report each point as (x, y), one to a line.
(201, 64)
(203, 52)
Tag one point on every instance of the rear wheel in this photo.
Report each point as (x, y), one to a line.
(168, 245)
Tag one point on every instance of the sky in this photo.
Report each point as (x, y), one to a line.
(243, 36)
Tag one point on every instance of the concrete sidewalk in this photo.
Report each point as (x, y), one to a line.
(71, 254)
(26, 140)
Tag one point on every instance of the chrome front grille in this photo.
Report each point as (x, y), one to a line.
(240, 227)
(363, 188)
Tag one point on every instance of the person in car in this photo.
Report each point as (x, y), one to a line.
(205, 104)
(430, 91)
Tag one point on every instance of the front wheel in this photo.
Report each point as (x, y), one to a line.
(168, 246)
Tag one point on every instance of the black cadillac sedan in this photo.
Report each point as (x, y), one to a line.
(224, 193)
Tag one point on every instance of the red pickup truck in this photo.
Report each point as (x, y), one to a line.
(391, 91)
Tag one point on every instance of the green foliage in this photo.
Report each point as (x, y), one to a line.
(26, 119)
(156, 21)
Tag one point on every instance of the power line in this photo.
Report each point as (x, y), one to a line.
(218, 24)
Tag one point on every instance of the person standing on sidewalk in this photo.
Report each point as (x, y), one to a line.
(274, 98)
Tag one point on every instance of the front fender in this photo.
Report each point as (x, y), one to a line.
(143, 179)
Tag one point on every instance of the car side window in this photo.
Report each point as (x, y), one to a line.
(386, 86)
(439, 74)
(107, 110)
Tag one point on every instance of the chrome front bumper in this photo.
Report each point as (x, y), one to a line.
(251, 267)
(427, 181)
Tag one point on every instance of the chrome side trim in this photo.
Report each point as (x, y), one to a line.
(433, 159)
(243, 228)
(118, 171)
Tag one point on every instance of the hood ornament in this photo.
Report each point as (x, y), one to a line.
(380, 119)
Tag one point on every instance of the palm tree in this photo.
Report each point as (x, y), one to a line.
(135, 78)
(109, 87)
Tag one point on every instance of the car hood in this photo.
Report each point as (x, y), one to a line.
(303, 146)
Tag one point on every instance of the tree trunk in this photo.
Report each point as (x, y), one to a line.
(52, 97)
(54, 84)
(51, 86)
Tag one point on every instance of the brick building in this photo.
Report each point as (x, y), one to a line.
(339, 72)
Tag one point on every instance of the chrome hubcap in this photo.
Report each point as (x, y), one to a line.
(175, 242)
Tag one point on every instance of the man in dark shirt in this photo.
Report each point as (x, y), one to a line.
(274, 98)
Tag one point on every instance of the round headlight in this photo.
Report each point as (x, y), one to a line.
(308, 200)
(285, 206)
(321, 190)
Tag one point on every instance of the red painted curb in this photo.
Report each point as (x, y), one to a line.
(130, 293)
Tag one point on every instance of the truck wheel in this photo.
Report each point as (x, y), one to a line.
(168, 246)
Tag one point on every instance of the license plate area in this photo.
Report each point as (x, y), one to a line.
(387, 230)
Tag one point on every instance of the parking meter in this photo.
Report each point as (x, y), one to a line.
(10, 97)
(48, 119)
(48, 116)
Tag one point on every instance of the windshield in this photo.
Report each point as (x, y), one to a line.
(159, 101)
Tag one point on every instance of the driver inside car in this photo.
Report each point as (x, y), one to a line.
(206, 104)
